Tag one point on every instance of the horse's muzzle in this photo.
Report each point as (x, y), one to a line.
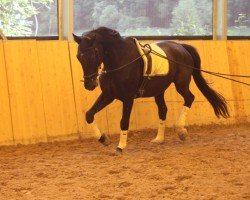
(91, 85)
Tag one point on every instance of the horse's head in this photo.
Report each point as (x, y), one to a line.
(91, 47)
(89, 54)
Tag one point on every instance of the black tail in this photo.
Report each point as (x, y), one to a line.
(215, 99)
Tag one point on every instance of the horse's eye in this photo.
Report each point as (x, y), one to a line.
(79, 56)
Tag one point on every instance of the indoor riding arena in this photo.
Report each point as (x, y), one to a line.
(55, 145)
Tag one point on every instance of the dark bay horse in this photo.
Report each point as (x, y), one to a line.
(122, 78)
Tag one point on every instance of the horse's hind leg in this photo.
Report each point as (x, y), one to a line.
(162, 112)
(188, 100)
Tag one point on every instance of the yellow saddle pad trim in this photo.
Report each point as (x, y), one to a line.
(160, 66)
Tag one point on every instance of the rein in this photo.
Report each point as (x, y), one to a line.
(123, 66)
(221, 75)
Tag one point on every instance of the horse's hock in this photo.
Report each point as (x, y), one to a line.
(42, 98)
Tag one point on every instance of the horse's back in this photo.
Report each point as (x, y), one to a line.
(173, 49)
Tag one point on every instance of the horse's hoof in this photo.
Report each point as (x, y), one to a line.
(157, 141)
(118, 151)
(182, 133)
(104, 140)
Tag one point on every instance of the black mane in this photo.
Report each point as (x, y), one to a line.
(105, 33)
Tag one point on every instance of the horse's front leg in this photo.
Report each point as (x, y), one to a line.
(102, 101)
(124, 124)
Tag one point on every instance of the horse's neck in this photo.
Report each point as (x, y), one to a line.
(117, 55)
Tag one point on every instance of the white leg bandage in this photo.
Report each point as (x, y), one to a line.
(123, 139)
(160, 133)
(97, 132)
(183, 116)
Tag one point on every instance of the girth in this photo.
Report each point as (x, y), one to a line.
(141, 89)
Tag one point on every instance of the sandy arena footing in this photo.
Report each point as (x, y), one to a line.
(213, 164)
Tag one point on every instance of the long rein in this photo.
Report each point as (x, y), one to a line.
(221, 75)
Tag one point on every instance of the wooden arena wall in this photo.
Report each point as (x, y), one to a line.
(42, 98)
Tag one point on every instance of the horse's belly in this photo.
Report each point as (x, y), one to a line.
(155, 86)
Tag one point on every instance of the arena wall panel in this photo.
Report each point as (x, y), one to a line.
(238, 57)
(25, 92)
(57, 89)
(6, 134)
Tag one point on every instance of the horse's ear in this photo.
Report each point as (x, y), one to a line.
(77, 38)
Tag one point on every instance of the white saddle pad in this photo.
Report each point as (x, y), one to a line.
(153, 64)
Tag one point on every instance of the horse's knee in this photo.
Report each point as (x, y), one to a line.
(89, 117)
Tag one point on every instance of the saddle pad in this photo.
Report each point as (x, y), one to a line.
(153, 64)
